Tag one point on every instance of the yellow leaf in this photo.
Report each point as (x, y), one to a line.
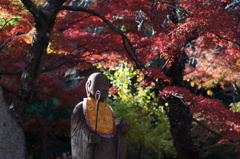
(192, 84)
(209, 92)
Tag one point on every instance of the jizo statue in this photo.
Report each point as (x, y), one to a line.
(94, 132)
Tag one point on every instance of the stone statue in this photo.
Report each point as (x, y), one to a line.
(12, 139)
(94, 132)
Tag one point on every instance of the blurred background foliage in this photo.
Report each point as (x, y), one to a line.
(149, 136)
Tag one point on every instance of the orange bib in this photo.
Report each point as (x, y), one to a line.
(106, 120)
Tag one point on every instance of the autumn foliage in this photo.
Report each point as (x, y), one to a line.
(212, 112)
(200, 36)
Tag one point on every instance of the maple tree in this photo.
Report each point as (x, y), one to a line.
(43, 41)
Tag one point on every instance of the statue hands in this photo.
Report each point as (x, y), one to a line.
(124, 126)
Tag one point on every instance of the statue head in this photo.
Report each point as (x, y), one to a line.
(97, 81)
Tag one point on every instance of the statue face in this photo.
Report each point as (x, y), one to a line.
(98, 81)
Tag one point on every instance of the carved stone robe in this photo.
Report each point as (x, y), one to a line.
(86, 144)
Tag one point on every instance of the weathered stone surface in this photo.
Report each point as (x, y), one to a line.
(12, 139)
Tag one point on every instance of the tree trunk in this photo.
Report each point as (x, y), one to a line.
(179, 114)
(180, 124)
(44, 19)
(12, 139)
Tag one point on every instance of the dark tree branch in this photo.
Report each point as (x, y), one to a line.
(11, 73)
(32, 7)
(126, 42)
(47, 69)
(6, 22)
(115, 29)
(54, 66)
(9, 40)
(197, 121)
(235, 42)
(188, 12)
